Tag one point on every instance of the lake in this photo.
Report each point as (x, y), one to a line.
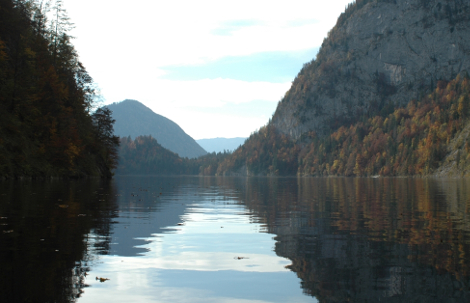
(224, 239)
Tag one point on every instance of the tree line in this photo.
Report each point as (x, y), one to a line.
(411, 140)
(144, 155)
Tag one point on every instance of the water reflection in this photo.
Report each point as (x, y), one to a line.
(206, 239)
(190, 239)
(370, 240)
(50, 233)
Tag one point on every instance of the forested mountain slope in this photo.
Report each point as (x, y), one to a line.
(135, 119)
(427, 136)
(46, 98)
(145, 156)
(388, 94)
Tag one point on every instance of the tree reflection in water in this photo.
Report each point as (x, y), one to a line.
(46, 245)
(369, 240)
(357, 240)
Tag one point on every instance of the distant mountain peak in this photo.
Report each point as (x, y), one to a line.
(135, 119)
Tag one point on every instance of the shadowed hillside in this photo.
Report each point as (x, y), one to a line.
(135, 119)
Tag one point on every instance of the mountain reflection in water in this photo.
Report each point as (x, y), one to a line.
(346, 240)
(370, 240)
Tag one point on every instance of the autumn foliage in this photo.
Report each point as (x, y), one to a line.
(413, 140)
(410, 141)
(264, 152)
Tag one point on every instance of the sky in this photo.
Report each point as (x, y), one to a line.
(216, 68)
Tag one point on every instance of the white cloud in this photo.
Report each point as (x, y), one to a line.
(185, 102)
(199, 93)
(200, 125)
(125, 47)
(203, 261)
(160, 33)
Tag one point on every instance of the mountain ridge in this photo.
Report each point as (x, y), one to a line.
(380, 54)
(135, 119)
(387, 95)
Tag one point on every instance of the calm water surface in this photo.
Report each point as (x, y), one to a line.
(207, 239)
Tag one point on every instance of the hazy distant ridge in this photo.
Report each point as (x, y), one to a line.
(135, 119)
(221, 144)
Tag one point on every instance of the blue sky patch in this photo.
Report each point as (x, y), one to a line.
(268, 66)
(254, 108)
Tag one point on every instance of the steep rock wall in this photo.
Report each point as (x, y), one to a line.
(380, 53)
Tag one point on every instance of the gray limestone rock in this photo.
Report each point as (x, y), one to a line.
(379, 54)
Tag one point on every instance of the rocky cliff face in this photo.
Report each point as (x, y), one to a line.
(380, 54)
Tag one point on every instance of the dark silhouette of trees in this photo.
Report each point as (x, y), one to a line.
(145, 156)
(46, 98)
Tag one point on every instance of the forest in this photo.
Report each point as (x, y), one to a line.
(373, 126)
(145, 156)
(49, 121)
(412, 140)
